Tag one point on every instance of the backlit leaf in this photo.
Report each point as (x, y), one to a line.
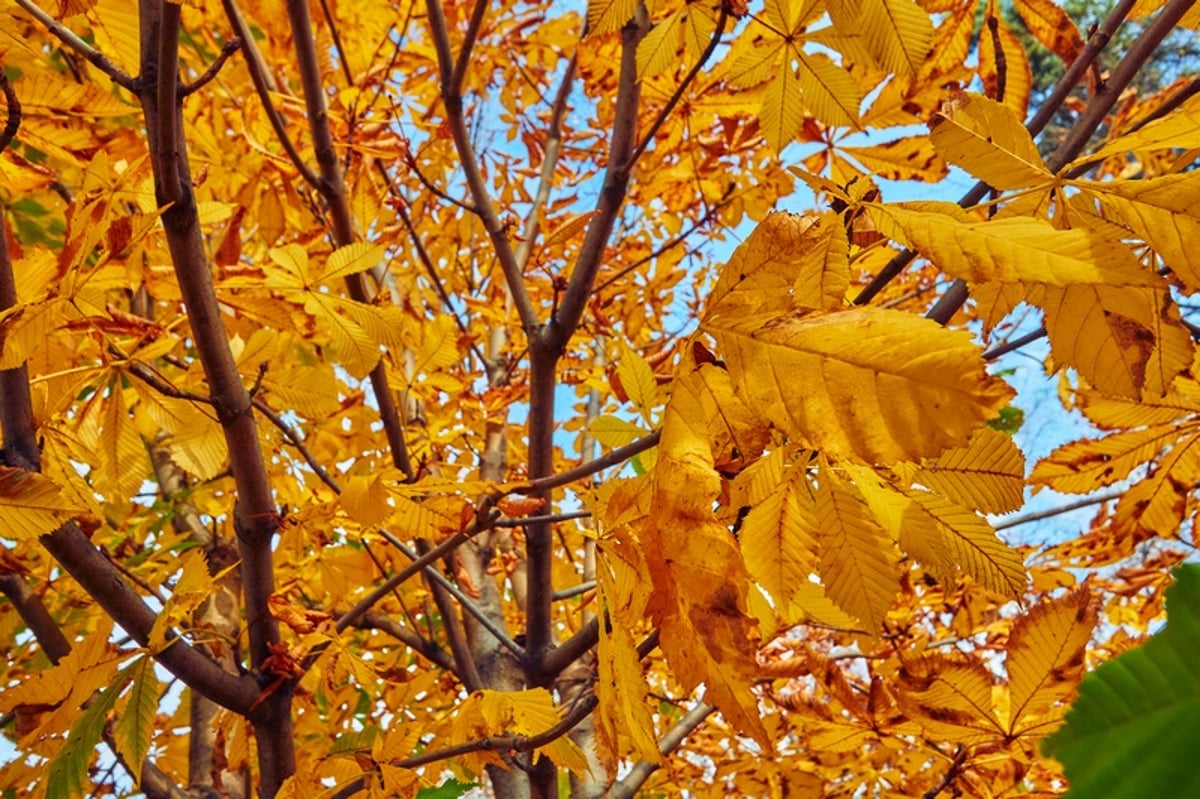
(865, 383)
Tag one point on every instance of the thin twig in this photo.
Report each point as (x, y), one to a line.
(436, 576)
(628, 786)
(1015, 344)
(410, 160)
(12, 119)
(677, 95)
(616, 456)
(673, 243)
(263, 86)
(551, 518)
(1099, 499)
(574, 591)
(513, 274)
(956, 765)
(71, 40)
(464, 55)
(230, 47)
(427, 261)
(554, 140)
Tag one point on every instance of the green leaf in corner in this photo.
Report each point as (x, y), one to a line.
(1135, 728)
(135, 727)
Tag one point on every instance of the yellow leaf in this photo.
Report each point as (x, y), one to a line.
(1162, 211)
(659, 49)
(1083, 466)
(1125, 341)
(351, 259)
(785, 251)
(196, 442)
(1180, 128)
(605, 16)
(988, 140)
(1051, 26)
(830, 92)
(623, 714)
(988, 473)
(1046, 650)
(613, 431)
(972, 544)
(356, 349)
(118, 36)
(779, 540)
(950, 698)
(124, 462)
(637, 378)
(782, 111)
(1157, 504)
(366, 498)
(897, 33)
(1020, 250)
(31, 505)
(700, 584)
(857, 561)
(192, 589)
(810, 604)
(866, 383)
(53, 685)
(909, 158)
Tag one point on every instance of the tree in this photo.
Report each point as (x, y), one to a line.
(319, 333)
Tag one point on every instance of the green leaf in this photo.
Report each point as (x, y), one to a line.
(1135, 728)
(450, 789)
(135, 727)
(67, 773)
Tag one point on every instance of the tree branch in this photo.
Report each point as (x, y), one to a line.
(612, 458)
(32, 610)
(1087, 123)
(628, 786)
(256, 518)
(12, 114)
(554, 140)
(263, 86)
(1051, 106)
(333, 188)
(513, 274)
(71, 40)
(230, 47)
(464, 55)
(612, 193)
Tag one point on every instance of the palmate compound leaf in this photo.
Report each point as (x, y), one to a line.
(1046, 650)
(865, 384)
(942, 535)
(700, 584)
(1134, 730)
